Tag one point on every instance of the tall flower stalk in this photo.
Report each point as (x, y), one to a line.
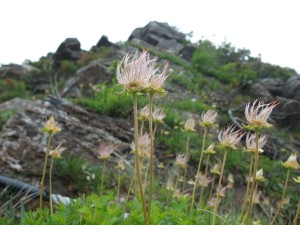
(55, 154)
(51, 127)
(290, 164)
(228, 139)
(297, 180)
(105, 150)
(188, 128)
(257, 117)
(207, 120)
(141, 76)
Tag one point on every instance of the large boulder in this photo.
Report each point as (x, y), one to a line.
(23, 145)
(81, 85)
(160, 35)
(292, 88)
(68, 50)
(15, 71)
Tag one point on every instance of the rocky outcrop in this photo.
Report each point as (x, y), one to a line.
(103, 42)
(23, 145)
(160, 35)
(68, 50)
(14, 71)
(81, 85)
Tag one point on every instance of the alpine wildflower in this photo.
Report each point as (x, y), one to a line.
(51, 126)
(251, 143)
(209, 118)
(229, 138)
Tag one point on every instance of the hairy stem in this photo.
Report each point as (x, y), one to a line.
(218, 189)
(44, 171)
(198, 169)
(50, 186)
(137, 158)
(185, 168)
(282, 197)
(102, 177)
(151, 154)
(249, 209)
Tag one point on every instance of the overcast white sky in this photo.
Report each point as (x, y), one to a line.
(32, 28)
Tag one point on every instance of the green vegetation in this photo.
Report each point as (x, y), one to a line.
(10, 88)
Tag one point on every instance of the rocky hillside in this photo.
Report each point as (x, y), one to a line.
(67, 82)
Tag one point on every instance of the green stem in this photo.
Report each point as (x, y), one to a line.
(282, 197)
(249, 209)
(297, 213)
(119, 181)
(102, 177)
(177, 179)
(50, 186)
(130, 187)
(151, 154)
(202, 188)
(247, 189)
(198, 169)
(212, 186)
(187, 155)
(44, 172)
(137, 158)
(218, 188)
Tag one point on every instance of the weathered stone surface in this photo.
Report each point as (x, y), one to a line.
(68, 50)
(14, 71)
(188, 51)
(23, 145)
(160, 35)
(82, 83)
(292, 88)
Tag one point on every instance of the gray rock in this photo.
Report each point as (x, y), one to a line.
(292, 88)
(15, 71)
(82, 83)
(160, 35)
(23, 145)
(68, 50)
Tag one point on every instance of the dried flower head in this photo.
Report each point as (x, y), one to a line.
(256, 197)
(260, 176)
(291, 162)
(120, 164)
(181, 160)
(209, 118)
(105, 150)
(177, 194)
(144, 113)
(258, 114)
(158, 80)
(251, 143)
(56, 153)
(161, 165)
(214, 201)
(230, 181)
(158, 115)
(143, 145)
(189, 125)
(297, 180)
(222, 192)
(210, 149)
(51, 126)
(203, 180)
(256, 222)
(216, 169)
(170, 184)
(229, 138)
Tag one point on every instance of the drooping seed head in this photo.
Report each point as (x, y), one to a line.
(181, 160)
(216, 169)
(144, 113)
(158, 115)
(210, 149)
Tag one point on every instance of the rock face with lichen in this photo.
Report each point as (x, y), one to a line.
(23, 145)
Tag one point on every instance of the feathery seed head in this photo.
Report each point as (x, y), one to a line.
(158, 115)
(105, 150)
(229, 138)
(189, 125)
(210, 149)
(51, 126)
(209, 118)
(144, 113)
(258, 114)
(56, 153)
(251, 143)
(181, 160)
(291, 162)
(216, 169)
